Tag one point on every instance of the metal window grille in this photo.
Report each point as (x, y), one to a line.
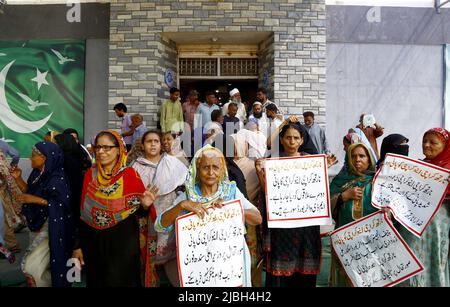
(198, 67)
(239, 67)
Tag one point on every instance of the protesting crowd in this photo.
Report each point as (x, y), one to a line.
(114, 205)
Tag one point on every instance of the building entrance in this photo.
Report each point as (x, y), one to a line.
(247, 88)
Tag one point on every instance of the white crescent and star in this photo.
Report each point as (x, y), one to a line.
(40, 78)
(8, 117)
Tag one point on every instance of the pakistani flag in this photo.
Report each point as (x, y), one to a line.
(41, 90)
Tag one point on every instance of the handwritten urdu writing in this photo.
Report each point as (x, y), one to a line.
(211, 250)
(297, 192)
(412, 189)
(373, 254)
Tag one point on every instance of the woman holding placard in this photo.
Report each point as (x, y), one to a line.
(207, 185)
(293, 255)
(351, 197)
(432, 248)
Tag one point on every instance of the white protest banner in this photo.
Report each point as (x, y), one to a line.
(211, 250)
(412, 189)
(372, 252)
(297, 192)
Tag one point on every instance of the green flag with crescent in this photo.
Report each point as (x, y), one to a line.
(41, 90)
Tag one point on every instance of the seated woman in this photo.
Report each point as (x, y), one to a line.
(46, 207)
(108, 238)
(293, 255)
(432, 248)
(163, 174)
(351, 197)
(208, 183)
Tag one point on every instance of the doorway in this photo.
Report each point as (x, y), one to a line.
(246, 87)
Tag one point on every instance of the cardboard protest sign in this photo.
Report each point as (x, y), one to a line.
(373, 254)
(297, 192)
(211, 250)
(412, 189)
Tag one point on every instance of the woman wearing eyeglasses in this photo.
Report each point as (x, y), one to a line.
(113, 196)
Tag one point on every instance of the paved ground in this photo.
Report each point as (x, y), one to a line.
(11, 274)
(322, 279)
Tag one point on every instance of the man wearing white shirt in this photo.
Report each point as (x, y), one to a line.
(257, 141)
(257, 113)
(274, 120)
(214, 127)
(259, 118)
(235, 97)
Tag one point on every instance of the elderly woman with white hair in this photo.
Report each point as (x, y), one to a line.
(207, 184)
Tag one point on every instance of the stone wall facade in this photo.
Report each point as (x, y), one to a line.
(295, 57)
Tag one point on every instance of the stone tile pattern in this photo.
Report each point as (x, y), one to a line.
(295, 55)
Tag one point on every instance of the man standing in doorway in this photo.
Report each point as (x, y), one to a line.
(231, 123)
(258, 116)
(316, 133)
(126, 128)
(204, 110)
(201, 118)
(261, 96)
(172, 113)
(235, 97)
(190, 107)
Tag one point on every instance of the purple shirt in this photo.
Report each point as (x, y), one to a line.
(126, 123)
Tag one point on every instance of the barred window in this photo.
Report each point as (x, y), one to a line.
(239, 67)
(198, 67)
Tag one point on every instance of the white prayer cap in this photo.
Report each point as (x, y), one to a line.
(234, 92)
(257, 103)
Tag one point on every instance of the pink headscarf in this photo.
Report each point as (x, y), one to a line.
(443, 159)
